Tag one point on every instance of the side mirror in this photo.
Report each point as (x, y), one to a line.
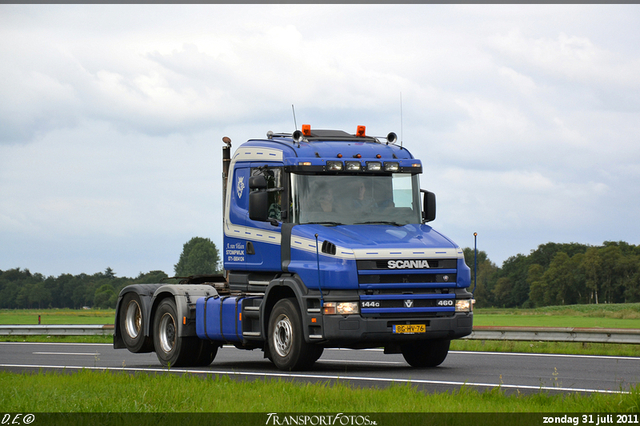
(258, 198)
(428, 206)
(257, 182)
(259, 205)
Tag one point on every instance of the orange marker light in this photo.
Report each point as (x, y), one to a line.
(184, 320)
(314, 320)
(306, 129)
(361, 131)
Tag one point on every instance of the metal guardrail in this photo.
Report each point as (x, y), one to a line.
(560, 334)
(56, 330)
(545, 334)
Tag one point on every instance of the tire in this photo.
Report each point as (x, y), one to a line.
(131, 322)
(426, 353)
(171, 349)
(205, 353)
(287, 347)
(316, 352)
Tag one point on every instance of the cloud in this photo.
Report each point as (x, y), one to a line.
(525, 117)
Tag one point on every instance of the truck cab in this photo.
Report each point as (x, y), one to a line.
(340, 220)
(326, 244)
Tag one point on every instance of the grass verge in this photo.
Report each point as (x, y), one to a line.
(92, 391)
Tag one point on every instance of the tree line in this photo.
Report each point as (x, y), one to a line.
(559, 274)
(21, 289)
(552, 274)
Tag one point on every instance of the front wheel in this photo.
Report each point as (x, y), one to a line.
(426, 353)
(206, 351)
(171, 349)
(287, 347)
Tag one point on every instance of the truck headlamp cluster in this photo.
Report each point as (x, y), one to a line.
(334, 166)
(464, 305)
(340, 308)
(353, 166)
(356, 166)
(391, 167)
(374, 166)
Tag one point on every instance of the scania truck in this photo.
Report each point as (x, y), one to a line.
(326, 245)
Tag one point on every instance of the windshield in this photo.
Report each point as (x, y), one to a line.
(356, 199)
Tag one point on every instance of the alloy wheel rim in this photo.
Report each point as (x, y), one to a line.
(283, 335)
(133, 321)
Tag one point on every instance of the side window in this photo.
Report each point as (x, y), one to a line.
(402, 190)
(273, 175)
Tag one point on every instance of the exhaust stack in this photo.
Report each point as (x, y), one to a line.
(226, 162)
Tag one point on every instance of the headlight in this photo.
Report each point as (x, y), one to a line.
(334, 165)
(353, 166)
(464, 305)
(374, 166)
(340, 308)
(391, 167)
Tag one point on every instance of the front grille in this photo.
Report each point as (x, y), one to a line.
(401, 303)
(385, 264)
(393, 273)
(406, 278)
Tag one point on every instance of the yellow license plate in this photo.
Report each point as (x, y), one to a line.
(410, 328)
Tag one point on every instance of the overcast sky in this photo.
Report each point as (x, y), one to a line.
(526, 118)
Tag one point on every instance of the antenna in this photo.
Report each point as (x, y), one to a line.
(295, 124)
(318, 265)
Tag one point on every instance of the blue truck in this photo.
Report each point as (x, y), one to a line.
(326, 245)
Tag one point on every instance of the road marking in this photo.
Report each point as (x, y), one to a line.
(57, 344)
(322, 376)
(66, 353)
(354, 378)
(346, 361)
(626, 358)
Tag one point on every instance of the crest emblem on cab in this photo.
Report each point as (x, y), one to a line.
(240, 186)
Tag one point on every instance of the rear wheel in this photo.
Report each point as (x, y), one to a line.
(426, 353)
(132, 325)
(171, 349)
(287, 347)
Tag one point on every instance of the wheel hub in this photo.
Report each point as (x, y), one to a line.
(282, 336)
(133, 321)
(167, 333)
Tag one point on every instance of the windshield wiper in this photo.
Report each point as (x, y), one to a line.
(323, 223)
(382, 222)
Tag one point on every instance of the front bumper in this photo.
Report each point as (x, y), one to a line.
(357, 331)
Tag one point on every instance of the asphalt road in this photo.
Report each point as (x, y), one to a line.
(526, 373)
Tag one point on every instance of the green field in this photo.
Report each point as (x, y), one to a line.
(589, 316)
(56, 316)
